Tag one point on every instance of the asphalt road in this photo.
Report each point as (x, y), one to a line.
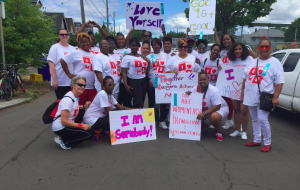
(30, 159)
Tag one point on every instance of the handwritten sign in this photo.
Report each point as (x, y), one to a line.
(144, 15)
(132, 126)
(183, 121)
(202, 17)
(169, 82)
(229, 82)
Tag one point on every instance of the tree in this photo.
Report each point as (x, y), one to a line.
(173, 34)
(231, 13)
(289, 34)
(28, 32)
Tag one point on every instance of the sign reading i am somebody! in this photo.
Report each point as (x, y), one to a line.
(202, 16)
(132, 126)
(167, 83)
(183, 121)
(144, 15)
(229, 82)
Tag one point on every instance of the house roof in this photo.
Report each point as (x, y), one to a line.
(36, 2)
(264, 32)
(69, 23)
(247, 38)
(60, 17)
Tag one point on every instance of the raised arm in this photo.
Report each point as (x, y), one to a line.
(129, 36)
(81, 29)
(217, 41)
(163, 29)
(95, 24)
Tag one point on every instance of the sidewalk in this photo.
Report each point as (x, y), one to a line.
(6, 104)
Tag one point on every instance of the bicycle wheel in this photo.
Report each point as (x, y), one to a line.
(7, 90)
(20, 81)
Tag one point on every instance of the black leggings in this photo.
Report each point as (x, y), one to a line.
(61, 91)
(138, 92)
(101, 123)
(124, 98)
(73, 136)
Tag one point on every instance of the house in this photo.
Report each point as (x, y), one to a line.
(70, 25)
(275, 36)
(60, 20)
(77, 25)
(36, 2)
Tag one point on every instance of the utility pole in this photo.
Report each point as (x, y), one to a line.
(114, 23)
(107, 19)
(82, 12)
(2, 16)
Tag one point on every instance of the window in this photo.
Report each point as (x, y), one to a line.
(279, 56)
(291, 62)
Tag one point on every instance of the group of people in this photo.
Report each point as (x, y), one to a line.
(118, 72)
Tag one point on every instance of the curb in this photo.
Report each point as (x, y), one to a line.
(13, 102)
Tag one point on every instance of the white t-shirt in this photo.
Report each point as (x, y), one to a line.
(120, 52)
(95, 50)
(66, 104)
(82, 64)
(223, 55)
(107, 65)
(168, 55)
(270, 72)
(136, 66)
(240, 63)
(211, 69)
(194, 53)
(97, 108)
(159, 67)
(201, 56)
(180, 65)
(212, 97)
(56, 52)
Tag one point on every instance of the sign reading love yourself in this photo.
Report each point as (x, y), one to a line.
(144, 15)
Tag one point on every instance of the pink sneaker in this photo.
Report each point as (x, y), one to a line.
(219, 136)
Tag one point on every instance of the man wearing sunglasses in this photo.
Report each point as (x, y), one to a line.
(146, 36)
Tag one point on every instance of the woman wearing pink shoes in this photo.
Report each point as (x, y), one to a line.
(214, 107)
(262, 75)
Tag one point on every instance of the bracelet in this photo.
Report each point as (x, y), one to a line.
(80, 126)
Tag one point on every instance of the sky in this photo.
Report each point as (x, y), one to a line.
(284, 12)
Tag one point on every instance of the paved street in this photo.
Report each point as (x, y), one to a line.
(30, 159)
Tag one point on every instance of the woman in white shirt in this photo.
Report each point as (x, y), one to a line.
(238, 56)
(201, 46)
(214, 108)
(210, 64)
(71, 133)
(59, 80)
(270, 80)
(134, 68)
(182, 62)
(98, 114)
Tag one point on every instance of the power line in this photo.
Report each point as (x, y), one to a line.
(89, 10)
(94, 11)
(97, 9)
(60, 5)
(104, 2)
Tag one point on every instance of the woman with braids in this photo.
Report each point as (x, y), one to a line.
(82, 65)
(97, 114)
(59, 80)
(134, 68)
(182, 62)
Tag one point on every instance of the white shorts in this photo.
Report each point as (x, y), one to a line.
(224, 111)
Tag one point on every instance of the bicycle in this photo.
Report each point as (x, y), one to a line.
(6, 90)
(15, 78)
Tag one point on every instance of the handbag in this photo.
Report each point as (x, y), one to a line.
(265, 99)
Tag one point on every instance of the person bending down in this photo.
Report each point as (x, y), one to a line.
(97, 114)
(214, 108)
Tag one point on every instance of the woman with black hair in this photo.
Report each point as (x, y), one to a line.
(201, 46)
(145, 49)
(134, 68)
(238, 56)
(97, 115)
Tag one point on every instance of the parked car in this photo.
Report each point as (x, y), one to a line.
(290, 95)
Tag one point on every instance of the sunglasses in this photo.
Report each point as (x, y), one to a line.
(64, 34)
(107, 44)
(81, 85)
(149, 36)
(204, 46)
(181, 47)
(267, 47)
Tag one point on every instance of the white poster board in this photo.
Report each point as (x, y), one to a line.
(202, 17)
(167, 83)
(144, 15)
(229, 82)
(183, 121)
(128, 126)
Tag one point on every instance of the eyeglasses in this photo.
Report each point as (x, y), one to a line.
(204, 46)
(149, 36)
(64, 34)
(81, 85)
(181, 47)
(262, 47)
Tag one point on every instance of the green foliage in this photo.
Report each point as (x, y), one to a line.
(27, 32)
(230, 14)
(138, 34)
(72, 40)
(289, 34)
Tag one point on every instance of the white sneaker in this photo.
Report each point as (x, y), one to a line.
(63, 146)
(244, 136)
(57, 139)
(163, 125)
(228, 124)
(211, 127)
(235, 133)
